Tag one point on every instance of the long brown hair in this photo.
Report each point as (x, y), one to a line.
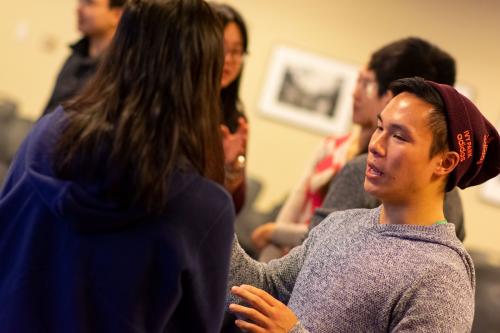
(153, 103)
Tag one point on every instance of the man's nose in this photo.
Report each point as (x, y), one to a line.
(377, 144)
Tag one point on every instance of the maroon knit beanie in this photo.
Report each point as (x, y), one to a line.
(472, 136)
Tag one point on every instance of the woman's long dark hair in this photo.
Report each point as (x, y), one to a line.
(152, 104)
(231, 104)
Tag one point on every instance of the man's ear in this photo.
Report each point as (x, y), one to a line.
(447, 163)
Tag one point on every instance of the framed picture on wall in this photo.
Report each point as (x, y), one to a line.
(490, 191)
(309, 91)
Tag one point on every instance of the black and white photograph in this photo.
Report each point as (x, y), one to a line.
(309, 91)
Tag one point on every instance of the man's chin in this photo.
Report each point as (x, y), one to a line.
(371, 189)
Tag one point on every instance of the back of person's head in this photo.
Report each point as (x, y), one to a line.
(444, 67)
(231, 105)
(411, 57)
(153, 102)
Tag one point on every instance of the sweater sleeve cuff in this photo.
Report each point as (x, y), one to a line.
(298, 328)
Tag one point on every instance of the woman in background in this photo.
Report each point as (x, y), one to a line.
(112, 218)
(234, 125)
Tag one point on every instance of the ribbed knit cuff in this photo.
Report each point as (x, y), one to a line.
(298, 328)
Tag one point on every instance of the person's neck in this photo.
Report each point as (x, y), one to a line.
(97, 44)
(425, 211)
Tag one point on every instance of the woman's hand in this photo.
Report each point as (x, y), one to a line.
(267, 314)
(261, 236)
(234, 144)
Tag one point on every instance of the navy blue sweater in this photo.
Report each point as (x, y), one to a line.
(72, 262)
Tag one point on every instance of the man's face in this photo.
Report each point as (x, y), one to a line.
(367, 104)
(399, 168)
(95, 18)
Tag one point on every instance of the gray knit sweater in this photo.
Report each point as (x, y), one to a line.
(353, 274)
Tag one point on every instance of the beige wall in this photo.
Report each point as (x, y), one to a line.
(34, 36)
(346, 30)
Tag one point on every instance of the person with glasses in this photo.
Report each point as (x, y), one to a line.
(234, 125)
(401, 58)
(415, 57)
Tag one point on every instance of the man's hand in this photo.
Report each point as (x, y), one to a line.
(267, 314)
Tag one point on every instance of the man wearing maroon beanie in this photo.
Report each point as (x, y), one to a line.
(472, 136)
(398, 267)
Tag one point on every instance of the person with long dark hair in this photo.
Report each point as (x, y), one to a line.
(113, 217)
(234, 125)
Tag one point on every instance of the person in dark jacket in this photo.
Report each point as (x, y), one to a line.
(97, 21)
(113, 217)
